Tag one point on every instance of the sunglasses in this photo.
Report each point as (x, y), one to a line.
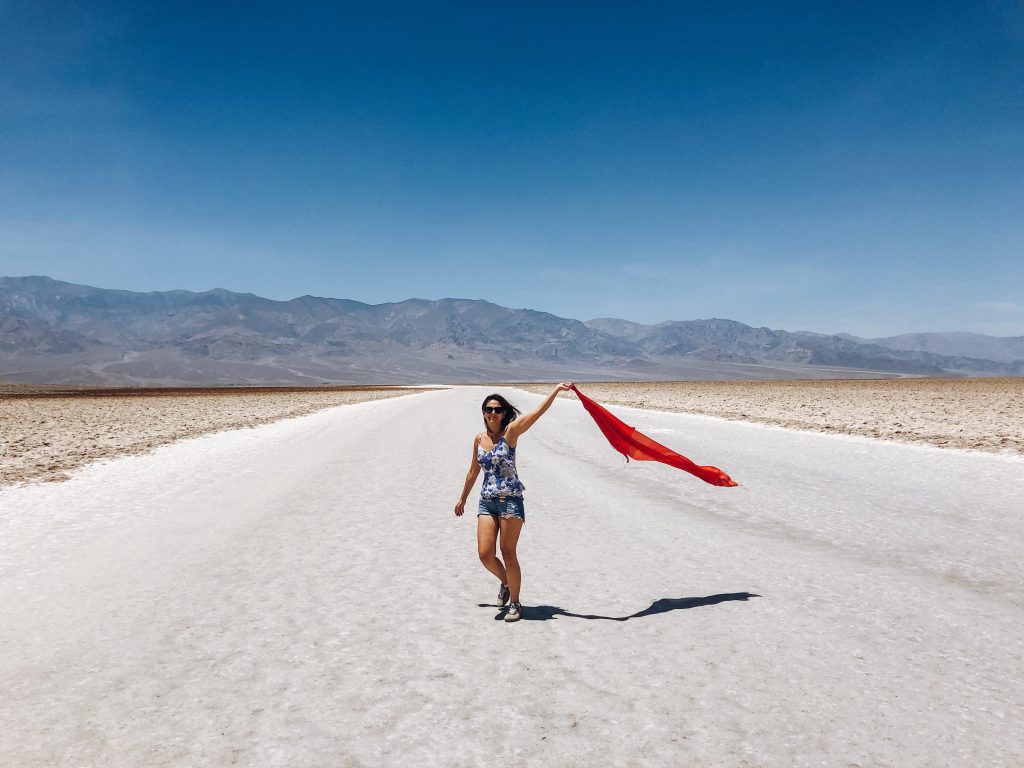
(490, 409)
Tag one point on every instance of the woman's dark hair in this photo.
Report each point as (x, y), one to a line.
(510, 410)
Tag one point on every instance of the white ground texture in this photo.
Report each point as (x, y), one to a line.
(300, 594)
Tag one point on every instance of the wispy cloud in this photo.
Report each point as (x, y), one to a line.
(1006, 307)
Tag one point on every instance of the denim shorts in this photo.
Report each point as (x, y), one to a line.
(507, 506)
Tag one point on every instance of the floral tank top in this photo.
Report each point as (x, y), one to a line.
(499, 466)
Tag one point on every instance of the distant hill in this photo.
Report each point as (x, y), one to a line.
(1005, 349)
(57, 332)
(736, 342)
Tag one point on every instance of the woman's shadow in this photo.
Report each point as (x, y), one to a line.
(664, 605)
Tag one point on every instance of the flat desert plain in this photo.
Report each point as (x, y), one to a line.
(48, 431)
(980, 414)
(301, 594)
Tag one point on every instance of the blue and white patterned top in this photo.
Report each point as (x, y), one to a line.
(499, 466)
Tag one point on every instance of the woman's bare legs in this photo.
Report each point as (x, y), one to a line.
(510, 528)
(486, 538)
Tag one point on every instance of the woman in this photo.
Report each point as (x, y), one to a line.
(501, 511)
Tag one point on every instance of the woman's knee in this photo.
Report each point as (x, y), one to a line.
(486, 556)
(508, 551)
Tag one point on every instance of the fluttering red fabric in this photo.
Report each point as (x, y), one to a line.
(636, 445)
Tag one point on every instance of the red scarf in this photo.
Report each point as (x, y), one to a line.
(635, 445)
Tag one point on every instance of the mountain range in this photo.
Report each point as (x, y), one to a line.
(61, 333)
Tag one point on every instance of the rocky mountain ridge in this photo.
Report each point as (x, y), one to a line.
(57, 332)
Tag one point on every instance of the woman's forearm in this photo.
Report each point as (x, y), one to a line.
(470, 480)
(547, 402)
(522, 424)
(550, 399)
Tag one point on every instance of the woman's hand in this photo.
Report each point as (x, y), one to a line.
(460, 508)
(565, 386)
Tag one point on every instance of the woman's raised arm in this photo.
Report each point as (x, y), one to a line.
(523, 423)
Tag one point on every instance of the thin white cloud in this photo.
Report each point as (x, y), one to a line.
(1007, 307)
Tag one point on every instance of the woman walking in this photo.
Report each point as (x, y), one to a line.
(501, 513)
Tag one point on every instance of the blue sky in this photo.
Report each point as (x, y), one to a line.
(833, 167)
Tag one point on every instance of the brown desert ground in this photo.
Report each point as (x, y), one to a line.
(49, 431)
(980, 414)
